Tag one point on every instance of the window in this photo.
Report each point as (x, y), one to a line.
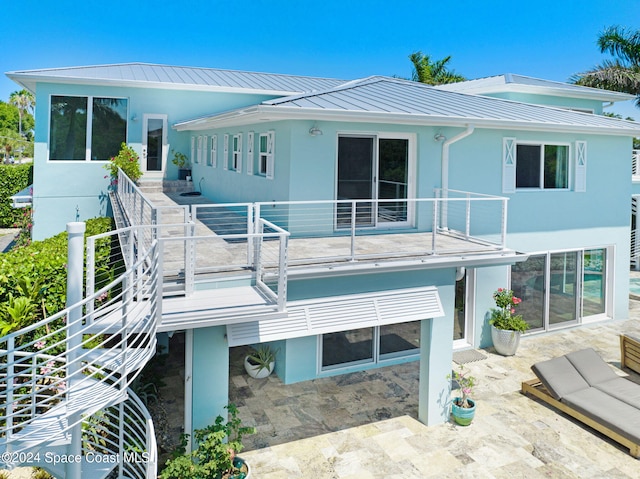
(236, 159)
(369, 345)
(542, 166)
(86, 128)
(265, 154)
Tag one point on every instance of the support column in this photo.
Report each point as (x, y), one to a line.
(75, 268)
(436, 354)
(210, 376)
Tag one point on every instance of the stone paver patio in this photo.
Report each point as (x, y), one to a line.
(364, 425)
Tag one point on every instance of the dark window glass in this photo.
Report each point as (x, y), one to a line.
(528, 166)
(68, 128)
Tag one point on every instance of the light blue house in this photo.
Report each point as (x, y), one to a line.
(349, 224)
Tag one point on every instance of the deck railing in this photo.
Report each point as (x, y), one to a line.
(635, 167)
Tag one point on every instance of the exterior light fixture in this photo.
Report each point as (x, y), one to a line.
(315, 131)
(439, 137)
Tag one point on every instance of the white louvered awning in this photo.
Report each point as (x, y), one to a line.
(340, 313)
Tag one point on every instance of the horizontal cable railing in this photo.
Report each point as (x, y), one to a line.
(635, 158)
(60, 369)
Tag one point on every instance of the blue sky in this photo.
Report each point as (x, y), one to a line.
(342, 39)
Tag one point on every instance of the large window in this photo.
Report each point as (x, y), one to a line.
(542, 166)
(369, 345)
(561, 288)
(86, 128)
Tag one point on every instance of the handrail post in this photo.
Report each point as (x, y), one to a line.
(282, 276)
(189, 259)
(252, 209)
(503, 238)
(467, 230)
(353, 230)
(75, 267)
(90, 277)
(434, 227)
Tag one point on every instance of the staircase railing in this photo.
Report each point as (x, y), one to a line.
(54, 373)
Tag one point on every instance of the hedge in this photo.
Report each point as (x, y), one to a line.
(13, 178)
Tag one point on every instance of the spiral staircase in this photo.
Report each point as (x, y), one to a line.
(65, 399)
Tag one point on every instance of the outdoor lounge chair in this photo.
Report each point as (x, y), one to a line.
(630, 353)
(585, 387)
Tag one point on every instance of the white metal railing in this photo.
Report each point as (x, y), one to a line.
(57, 371)
(635, 168)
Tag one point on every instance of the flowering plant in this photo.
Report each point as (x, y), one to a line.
(465, 382)
(128, 161)
(504, 317)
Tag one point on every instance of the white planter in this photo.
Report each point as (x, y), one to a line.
(505, 341)
(255, 371)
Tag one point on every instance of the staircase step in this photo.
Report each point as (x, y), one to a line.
(111, 323)
(86, 396)
(111, 359)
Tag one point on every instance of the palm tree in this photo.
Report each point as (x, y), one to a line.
(623, 72)
(25, 102)
(432, 72)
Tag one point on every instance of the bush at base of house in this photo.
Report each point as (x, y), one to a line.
(38, 271)
(13, 178)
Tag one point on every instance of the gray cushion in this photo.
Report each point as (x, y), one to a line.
(623, 390)
(559, 377)
(607, 410)
(591, 366)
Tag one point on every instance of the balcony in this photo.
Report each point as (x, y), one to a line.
(230, 262)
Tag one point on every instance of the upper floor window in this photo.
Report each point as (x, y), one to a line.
(85, 128)
(542, 166)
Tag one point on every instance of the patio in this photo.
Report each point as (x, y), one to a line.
(365, 424)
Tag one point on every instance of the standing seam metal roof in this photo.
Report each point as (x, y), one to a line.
(182, 76)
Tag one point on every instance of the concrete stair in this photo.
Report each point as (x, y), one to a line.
(165, 186)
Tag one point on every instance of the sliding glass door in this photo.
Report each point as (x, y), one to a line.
(376, 168)
(561, 288)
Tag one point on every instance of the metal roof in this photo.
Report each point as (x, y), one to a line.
(511, 82)
(166, 76)
(392, 100)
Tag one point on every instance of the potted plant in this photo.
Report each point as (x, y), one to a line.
(215, 455)
(182, 162)
(128, 161)
(260, 361)
(506, 326)
(463, 408)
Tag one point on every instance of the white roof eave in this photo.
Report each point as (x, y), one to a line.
(263, 113)
(596, 94)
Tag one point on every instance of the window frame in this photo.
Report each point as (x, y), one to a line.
(236, 153)
(213, 151)
(88, 126)
(543, 145)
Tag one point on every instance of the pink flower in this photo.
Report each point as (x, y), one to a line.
(513, 310)
(40, 344)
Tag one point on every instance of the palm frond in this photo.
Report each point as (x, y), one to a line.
(621, 42)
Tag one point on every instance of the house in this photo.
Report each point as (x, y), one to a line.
(349, 224)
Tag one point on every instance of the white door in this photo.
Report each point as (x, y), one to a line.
(154, 145)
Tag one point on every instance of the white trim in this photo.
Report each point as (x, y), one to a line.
(508, 165)
(271, 146)
(88, 126)
(225, 152)
(213, 154)
(199, 151)
(236, 159)
(250, 147)
(193, 150)
(165, 144)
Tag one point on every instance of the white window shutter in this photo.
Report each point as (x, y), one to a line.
(205, 150)
(199, 154)
(581, 166)
(250, 153)
(271, 140)
(214, 150)
(239, 165)
(508, 165)
(193, 150)
(225, 152)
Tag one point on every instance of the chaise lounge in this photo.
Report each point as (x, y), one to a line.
(585, 387)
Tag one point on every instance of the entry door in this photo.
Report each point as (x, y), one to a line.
(154, 145)
(463, 311)
(377, 168)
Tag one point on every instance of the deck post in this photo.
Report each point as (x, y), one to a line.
(503, 236)
(353, 230)
(434, 226)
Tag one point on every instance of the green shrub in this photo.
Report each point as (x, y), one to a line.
(38, 272)
(128, 161)
(13, 178)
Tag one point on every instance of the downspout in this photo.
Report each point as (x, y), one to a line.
(444, 184)
(445, 155)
